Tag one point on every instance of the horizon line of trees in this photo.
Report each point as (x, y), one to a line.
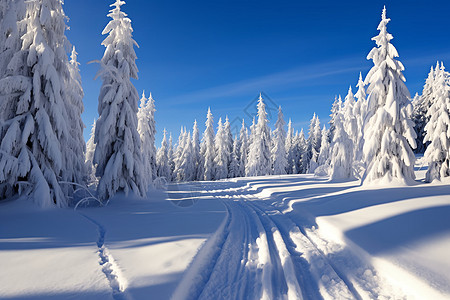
(371, 134)
(43, 154)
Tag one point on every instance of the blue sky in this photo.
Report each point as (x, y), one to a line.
(223, 53)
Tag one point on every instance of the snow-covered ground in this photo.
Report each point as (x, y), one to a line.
(275, 237)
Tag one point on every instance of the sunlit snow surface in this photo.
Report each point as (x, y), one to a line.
(275, 237)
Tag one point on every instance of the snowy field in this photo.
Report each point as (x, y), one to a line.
(275, 237)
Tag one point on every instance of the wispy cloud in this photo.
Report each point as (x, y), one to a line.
(278, 80)
(427, 60)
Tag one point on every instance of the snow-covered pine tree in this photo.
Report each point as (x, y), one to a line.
(152, 124)
(360, 112)
(309, 144)
(289, 148)
(341, 159)
(350, 121)
(324, 155)
(196, 151)
(228, 141)
(313, 144)
(90, 149)
(337, 105)
(185, 169)
(387, 154)
(418, 118)
(421, 106)
(74, 157)
(301, 153)
(279, 157)
(171, 160)
(34, 131)
(146, 132)
(252, 132)
(438, 129)
(243, 149)
(178, 154)
(222, 154)
(117, 154)
(162, 159)
(207, 148)
(233, 170)
(10, 37)
(259, 157)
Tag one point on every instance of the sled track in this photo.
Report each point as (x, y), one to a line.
(295, 238)
(246, 260)
(259, 253)
(257, 257)
(108, 265)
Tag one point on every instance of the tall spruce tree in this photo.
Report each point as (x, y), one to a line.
(421, 106)
(337, 104)
(11, 11)
(279, 151)
(146, 129)
(360, 112)
(233, 169)
(302, 159)
(75, 169)
(387, 154)
(289, 147)
(341, 158)
(324, 155)
(162, 159)
(222, 154)
(243, 149)
(438, 129)
(207, 148)
(259, 158)
(178, 173)
(117, 154)
(171, 160)
(350, 121)
(185, 167)
(196, 151)
(228, 141)
(313, 144)
(90, 149)
(152, 125)
(35, 128)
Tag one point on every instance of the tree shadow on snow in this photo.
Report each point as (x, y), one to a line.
(403, 229)
(359, 199)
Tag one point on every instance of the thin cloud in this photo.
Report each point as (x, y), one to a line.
(429, 60)
(277, 80)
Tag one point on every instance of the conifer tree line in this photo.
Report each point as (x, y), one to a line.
(371, 134)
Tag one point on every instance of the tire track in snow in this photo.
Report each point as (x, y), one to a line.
(321, 268)
(339, 272)
(227, 266)
(246, 263)
(109, 267)
(228, 273)
(283, 280)
(260, 253)
(199, 272)
(361, 278)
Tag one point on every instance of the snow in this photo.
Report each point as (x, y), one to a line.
(269, 237)
(54, 254)
(48, 254)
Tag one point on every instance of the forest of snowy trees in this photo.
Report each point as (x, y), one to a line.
(371, 134)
